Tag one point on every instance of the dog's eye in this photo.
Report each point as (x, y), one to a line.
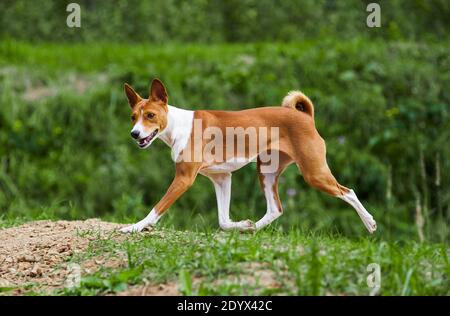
(133, 117)
(150, 115)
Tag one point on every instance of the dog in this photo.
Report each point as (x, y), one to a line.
(187, 134)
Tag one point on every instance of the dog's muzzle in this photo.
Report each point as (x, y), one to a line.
(143, 142)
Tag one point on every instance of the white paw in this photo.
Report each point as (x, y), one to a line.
(370, 224)
(246, 225)
(136, 228)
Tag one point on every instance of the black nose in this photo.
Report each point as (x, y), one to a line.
(135, 134)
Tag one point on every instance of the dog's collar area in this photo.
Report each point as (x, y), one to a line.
(178, 130)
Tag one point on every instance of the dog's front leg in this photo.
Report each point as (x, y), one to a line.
(184, 178)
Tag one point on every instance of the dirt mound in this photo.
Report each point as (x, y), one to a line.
(40, 257)
(36, 252)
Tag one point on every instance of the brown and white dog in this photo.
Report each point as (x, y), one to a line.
(207, 142)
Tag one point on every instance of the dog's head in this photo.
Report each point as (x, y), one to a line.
(149, 116)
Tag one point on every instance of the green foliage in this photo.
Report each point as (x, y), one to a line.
(382, 108)
(186, 282)
(382, 104)
(162, 21)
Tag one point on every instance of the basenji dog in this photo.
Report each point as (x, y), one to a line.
(200, 144)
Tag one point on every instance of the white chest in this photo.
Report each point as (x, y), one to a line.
(178, 130)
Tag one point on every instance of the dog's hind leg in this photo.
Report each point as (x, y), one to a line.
(351, 198)
(222, 185)
(269, 185)
(311, 159)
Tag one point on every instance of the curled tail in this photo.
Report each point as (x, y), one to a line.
(297, 100)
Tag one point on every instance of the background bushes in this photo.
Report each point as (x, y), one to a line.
(162, 21)
(68, 151)
(381, 98)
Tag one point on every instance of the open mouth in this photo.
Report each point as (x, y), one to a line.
(143, 142)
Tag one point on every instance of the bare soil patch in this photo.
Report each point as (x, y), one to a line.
(35, 254)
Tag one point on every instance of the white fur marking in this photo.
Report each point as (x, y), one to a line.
(139, 127)
(272, 212)
(149, 220)
(365, 216)
(178, 130)
(290, 98)
(222, 185)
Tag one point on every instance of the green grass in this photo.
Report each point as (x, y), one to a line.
(56, 163)
(297, 263)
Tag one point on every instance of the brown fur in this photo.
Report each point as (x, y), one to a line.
(299, 140)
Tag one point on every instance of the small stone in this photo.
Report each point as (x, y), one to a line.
(24, 266)
(5, 283)
(27, 258)
(36, 271)
(52, 252)
(63, 248)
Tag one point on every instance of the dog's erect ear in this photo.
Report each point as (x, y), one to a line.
(158, 91)
(132, 95)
